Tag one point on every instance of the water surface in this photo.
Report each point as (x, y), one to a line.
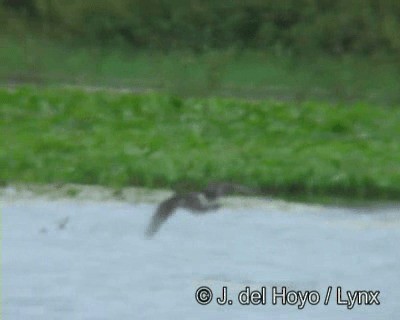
(100, 265)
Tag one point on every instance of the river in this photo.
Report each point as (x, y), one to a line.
(84, 259)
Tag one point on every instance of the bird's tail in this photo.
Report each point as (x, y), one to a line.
(225, 188)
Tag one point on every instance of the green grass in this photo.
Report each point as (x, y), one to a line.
(157, 140)
(224, 73)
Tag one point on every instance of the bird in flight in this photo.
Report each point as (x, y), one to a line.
(197, 202)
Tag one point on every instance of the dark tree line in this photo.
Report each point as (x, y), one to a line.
(301, 26)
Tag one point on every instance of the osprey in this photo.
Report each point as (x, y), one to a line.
(197, 202)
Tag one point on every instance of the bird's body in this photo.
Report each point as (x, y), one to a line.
(196, 202)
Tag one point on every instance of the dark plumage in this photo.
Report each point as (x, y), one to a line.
(197, 202)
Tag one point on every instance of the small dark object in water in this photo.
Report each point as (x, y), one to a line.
(63, 223)
(43, 230)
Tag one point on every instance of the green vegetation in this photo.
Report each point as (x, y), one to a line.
(290, 50)
(251, 74)
(298, 26)
(120, 139)
(319, 59)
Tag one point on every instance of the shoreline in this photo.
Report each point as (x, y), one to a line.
(139, 195)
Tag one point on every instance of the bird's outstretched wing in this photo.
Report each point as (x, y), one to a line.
(197, 202)
(163, 212)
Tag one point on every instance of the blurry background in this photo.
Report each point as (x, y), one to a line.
(290, 49)
(317, 117)
(325, 74)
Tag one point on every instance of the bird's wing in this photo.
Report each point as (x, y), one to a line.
(163, 212)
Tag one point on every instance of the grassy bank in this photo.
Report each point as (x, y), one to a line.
(114, 139)
(250, 74)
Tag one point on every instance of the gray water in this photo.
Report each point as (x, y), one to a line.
(100, 265)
